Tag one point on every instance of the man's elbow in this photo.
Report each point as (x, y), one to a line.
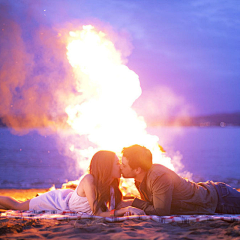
(156, 211)
(162, 212)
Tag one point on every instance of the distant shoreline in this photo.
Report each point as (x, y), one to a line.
(162, 125)
(213, 120)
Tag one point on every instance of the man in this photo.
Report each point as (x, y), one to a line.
(163, 192)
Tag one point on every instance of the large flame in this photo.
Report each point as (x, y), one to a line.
(108, 89)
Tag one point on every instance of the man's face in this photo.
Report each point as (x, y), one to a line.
(127, 171)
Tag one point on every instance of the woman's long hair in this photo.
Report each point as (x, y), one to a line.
(101, 169)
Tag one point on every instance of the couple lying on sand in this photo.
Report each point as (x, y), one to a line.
(162, 191)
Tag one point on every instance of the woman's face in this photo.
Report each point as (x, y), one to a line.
(116, 168)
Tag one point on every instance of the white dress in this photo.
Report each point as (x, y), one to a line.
(61, 200)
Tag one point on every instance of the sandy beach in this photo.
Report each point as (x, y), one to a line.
(99, 229)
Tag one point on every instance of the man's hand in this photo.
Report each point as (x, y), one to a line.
(125, 203)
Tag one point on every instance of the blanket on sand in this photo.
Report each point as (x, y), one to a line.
(69, 215)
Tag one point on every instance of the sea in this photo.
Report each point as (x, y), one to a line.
(199, 153)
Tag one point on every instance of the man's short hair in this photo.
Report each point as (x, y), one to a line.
(138, 156)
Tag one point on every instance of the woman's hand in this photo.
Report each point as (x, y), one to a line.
(128, 211)
(133, 211)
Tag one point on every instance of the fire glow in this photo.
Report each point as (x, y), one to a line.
(108, 89)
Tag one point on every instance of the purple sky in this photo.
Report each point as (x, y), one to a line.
(188, 50)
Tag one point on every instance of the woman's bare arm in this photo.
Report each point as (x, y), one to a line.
(87, 184)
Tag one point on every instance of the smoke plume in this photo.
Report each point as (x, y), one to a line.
(34, 73)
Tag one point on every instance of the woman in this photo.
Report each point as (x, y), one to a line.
(97, 192)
